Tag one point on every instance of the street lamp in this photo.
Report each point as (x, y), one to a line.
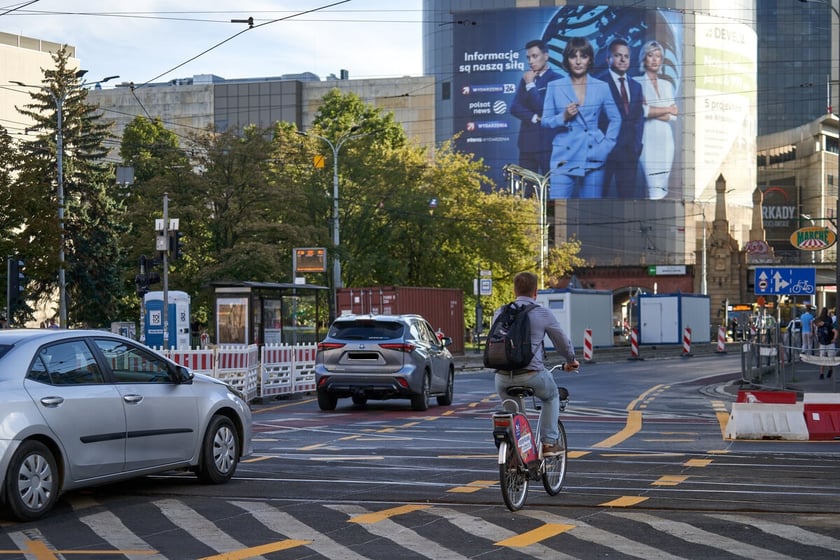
(541, 182)
(335, 146)
(59, 98)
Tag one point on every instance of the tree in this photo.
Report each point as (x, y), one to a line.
(92, 214)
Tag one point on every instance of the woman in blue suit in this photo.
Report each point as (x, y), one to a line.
(573, 106)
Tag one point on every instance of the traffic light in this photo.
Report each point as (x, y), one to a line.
(141, 284)
(15, 283)
(175, 249)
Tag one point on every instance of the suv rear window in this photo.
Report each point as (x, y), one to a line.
(366, 330)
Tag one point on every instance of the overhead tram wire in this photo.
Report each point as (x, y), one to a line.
(235, 35)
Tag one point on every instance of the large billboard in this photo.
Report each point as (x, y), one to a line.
(601, 114)
(706, 89)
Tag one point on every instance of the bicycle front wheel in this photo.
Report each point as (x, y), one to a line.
(513, 480)
(554, 467)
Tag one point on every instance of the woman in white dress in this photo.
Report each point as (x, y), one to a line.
(660, 109)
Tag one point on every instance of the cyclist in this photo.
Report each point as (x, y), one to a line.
(542, 322)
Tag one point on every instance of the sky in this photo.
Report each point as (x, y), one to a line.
(160, 40)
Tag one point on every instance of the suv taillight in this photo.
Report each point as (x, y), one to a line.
(406, 347)
(330, 345)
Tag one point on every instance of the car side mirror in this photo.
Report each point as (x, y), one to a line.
(183, 375)
(446, 341)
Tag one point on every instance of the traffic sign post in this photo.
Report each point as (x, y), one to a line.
(785, 281)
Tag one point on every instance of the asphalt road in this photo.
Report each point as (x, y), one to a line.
(650, 476)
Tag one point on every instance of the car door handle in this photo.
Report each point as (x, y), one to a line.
(51, 402)
(132, 399)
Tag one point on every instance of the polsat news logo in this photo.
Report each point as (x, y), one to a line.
(813, 238)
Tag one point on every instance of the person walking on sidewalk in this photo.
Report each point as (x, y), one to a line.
(805, 321)
(542, 323)
(826, 337)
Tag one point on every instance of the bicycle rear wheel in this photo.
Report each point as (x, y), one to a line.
(554, 472)
(513, 479)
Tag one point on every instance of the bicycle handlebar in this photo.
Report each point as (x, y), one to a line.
(567, 366)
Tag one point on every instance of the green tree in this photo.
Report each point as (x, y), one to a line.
(92, 213)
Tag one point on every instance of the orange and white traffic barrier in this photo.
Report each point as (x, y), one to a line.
(686, 342)
(721, 341)
(587, 345)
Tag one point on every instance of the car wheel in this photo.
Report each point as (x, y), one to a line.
(420, 402)
(32, 483)
(359, 400)
(219, 451)
(326, 401)
(446, 398)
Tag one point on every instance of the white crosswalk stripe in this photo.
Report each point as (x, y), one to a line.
(692, 534)
(284, 524)
(110, 528)
(494, 533)
(789, 532)
(619, 543)
(401, 535)
(198, 526)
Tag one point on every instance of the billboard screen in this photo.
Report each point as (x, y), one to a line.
(687, 115)
(607, 126)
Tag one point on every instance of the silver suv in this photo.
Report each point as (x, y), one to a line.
(383, 357)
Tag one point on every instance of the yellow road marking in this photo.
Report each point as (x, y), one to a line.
(448, 413)
(257, 550)
(723, 420)
(38, 550)
(624, 501)
(295, 403)
(311, 447)
(634, 424)
(698, 463)
(473, 486)
(371, 518)
(577, 454)
(539, 534)
(257, 459)
(717, 451)
(354, 436)
(669, 480)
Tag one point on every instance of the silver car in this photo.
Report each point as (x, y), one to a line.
(81, 408)
(383, 357)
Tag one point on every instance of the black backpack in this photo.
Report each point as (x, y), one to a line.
(508, 345)
(824, 334)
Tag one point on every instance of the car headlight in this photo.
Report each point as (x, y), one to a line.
(235, 391)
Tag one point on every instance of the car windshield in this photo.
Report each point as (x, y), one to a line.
(366, 330)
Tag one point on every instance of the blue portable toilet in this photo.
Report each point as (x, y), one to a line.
(178, 318)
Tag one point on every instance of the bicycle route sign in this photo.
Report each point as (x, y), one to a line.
(785, 281)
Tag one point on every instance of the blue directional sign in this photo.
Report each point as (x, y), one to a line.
(785, 281)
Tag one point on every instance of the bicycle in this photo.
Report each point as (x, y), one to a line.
(520, 450)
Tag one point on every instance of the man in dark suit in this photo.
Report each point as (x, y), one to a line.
(534, 141)
(623, 162)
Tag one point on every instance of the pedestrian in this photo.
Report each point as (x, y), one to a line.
(826, 337)
(805, 323)
(542, 323)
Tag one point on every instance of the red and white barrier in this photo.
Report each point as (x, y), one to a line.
(777, 415)
(634, 344)
(277, 363)
(721, 340)
(587, 345)
(303, 380)
(686, 342)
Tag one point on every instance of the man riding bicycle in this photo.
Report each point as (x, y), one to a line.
(535, 375)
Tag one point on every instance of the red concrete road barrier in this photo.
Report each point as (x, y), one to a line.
(767, 397)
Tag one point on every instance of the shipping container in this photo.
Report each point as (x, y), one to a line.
(443, 308)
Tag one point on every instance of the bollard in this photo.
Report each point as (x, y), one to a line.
(634, 345)
(721, 341)
(587, 345)
(686, 352)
